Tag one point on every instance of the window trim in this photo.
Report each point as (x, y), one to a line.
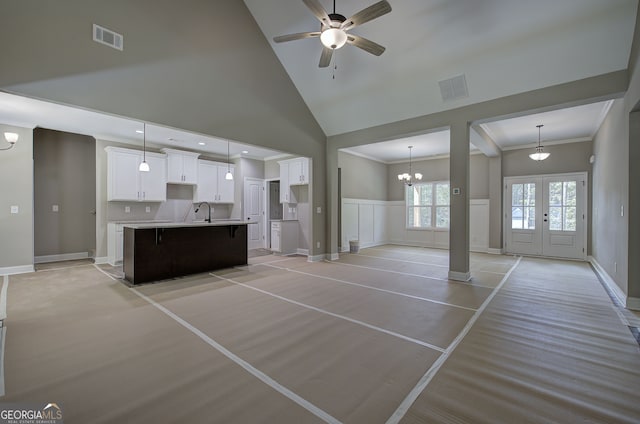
(434, 205)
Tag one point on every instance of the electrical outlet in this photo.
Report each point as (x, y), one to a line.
(318, 245)
(55, 208)
(127, 209)
(318, 209)
(147, 209)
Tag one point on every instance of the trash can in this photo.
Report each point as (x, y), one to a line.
(354, 246)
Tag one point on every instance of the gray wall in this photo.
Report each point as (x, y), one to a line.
(16, 189)
(362, 178)
(610, 188)
(179, 68)
(565, 158)
(438, 170)
(64, 175)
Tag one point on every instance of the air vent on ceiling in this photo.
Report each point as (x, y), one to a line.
(454, 88)
(106, 36)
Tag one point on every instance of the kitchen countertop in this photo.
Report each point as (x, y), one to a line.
(214, 223)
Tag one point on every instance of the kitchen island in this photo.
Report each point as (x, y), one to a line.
(155, 252)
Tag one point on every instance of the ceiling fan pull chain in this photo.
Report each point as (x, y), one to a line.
(335, 64)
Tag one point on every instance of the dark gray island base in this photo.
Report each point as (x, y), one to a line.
(159, 252)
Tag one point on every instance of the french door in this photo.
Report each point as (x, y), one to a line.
(546, 215)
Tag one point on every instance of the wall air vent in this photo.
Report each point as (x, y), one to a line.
(454, 88)
(107, 37)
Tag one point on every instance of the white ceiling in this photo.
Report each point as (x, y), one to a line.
(503, 47)
(30, 113)
(579, 123)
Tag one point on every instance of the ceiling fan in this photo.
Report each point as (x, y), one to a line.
(334, 26)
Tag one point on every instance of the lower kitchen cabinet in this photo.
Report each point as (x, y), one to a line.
(284, 237)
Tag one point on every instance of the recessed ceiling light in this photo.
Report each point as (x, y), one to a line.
(245, 151)
(140, 131)
(202, 144)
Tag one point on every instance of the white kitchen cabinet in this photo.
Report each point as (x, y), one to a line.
(292, 172)
(299, 171)
(226, 187)
(126, 183)
(285, 191)
(115, 239)
(212, 186)
(182, 167)
(284, 237)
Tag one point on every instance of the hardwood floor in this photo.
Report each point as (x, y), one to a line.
(379, 336)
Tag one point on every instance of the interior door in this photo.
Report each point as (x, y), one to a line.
(254, 196)
(546, 215)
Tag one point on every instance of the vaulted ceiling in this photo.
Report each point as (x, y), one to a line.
(503, 47)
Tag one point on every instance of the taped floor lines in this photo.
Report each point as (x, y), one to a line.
(290, 341)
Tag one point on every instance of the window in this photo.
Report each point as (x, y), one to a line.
(523, 206)
(428, 205)
(562, 206)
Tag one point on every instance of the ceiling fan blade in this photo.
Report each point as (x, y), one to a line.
(317, 9)
(365, 15)
(366, 45)
(325, 57)
(298, 36)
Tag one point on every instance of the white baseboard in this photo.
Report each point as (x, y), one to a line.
(459, 276)
(304, 252)
(59, 258)
(316, 258)
(615, 289)
(99, 260)
(11, 270)
(333, 256)
(494, 251)
(633, 303)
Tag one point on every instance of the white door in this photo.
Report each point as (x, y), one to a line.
(254, 195)
(546, 215)
(564, 216)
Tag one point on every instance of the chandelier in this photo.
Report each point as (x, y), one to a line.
(408, 178)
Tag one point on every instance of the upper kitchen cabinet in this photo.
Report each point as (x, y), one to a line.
(292, 172)
(126, 183)
(298, 171)
(212, 186)
(182, 167)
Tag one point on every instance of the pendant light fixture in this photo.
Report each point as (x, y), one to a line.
(539, 154)
(228, 175)
(11, 138)
(408, 178)
(144, 166)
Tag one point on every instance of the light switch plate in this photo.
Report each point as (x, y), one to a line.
(147, 209)
(127, 209)
(318, 209)
(14, 209)
(54, 208)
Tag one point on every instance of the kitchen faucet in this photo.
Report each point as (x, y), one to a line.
(209, 206)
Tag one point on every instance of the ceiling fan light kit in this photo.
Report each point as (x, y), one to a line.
(334, 26)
